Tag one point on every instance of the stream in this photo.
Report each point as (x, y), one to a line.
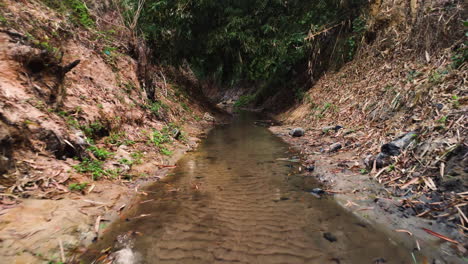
(240, 199)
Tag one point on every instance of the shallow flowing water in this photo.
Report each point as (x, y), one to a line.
(235, 201)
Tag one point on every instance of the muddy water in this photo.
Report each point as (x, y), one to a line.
(233, 201)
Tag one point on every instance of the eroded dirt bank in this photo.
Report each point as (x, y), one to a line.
(386, 132)
(85, 122)
(340, 172)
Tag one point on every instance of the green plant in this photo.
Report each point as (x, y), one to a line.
(100, 153)
(92, 129)
(412, 75)
(185, 107)
(77, 186)
(165, 151)
(129, 87)
(391, 167)
(3, 20)
(91, 166)
(78, 10)
(442, 120)
(156, 107)
(244, 100)
(137, 157)
(436, 76)
(455, 101)
(364, 171)
(158, 138)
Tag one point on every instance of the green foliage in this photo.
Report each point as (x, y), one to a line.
(412, 75)
(442, 120)
(459, 56)
(244, 100)
(254, 40)
(3, 20)
(437, 76)
(94, 167)
(364, 171)
(118, 139)
(92, 129)
(185, 107)
(77, 186)
(156, 108)
(137, 157)
(100, 153)
(166, 152)
(158, 138)
(76, 8)
(455, 101)
(129, 87)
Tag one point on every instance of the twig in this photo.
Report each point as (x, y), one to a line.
(96, 225)
(380, 172)
(62, 252)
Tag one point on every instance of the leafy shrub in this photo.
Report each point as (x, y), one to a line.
(166, 152)
(77, 186)
(240, 40)
(94, 167)
(77, 8)
(244, 100)
(100, 153)
(158, 138)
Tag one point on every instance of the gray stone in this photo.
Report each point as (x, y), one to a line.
(394, 148)
(334, 147)
(297, 132)
(318, 191)
(330, 237)
(330, 128)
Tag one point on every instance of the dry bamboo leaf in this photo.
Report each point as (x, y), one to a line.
(430, 232)
(430, 183)
(442, 168)
(404, 231)
(411, 182)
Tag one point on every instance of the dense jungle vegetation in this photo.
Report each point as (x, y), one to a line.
(231, 41)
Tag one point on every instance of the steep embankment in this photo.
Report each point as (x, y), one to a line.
(84, 121)
(409, 75)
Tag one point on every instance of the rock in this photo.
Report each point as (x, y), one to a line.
(87, 238)
(318, 191)
(4, 164)
(381, 160)
(125, 256)
(208, 117)
(176, 133)
(330, 237)
(297, 132)
(394, 148)
(439, 106)
(388, 150)
(329, 128)
(310, 168)
(334, 147)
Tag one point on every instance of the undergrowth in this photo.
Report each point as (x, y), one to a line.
(77, 9)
